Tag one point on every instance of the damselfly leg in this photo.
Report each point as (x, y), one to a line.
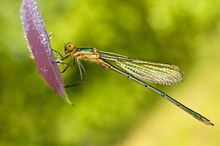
(60, 59)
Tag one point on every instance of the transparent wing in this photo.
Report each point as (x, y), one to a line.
(151, 71)
(145, 70)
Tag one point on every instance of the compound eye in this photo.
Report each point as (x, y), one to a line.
(68, 47)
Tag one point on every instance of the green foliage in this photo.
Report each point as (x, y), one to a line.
(109, 109)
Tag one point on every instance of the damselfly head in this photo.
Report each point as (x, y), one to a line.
(68, 48)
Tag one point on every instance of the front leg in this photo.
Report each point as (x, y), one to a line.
(58, 54)
(70, 63)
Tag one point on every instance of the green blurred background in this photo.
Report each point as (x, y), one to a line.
(111, 110)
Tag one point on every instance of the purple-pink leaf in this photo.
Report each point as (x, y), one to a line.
(39, 44)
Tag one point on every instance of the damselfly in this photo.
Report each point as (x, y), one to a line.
(136, 70)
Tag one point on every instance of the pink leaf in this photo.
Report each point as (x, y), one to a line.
(39, 44)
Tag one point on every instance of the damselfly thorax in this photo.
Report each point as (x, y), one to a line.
(90, 54)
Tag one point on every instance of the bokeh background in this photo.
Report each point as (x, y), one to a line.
(111, 110)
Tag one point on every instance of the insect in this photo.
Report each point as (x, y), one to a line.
(134, 69)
